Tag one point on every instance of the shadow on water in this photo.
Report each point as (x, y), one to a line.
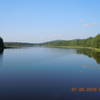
(90, 53)
(1, 57)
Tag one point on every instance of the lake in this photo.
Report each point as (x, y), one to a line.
(39, 73)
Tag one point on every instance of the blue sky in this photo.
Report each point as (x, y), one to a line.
(45, 20)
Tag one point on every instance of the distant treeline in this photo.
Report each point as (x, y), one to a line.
(17, 44)
(13, 44)
(93, 42)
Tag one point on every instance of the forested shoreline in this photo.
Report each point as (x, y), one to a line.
(17, 44)
(92, 42)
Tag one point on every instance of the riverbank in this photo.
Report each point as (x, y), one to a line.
(8, 45)
(76, 47)
(31, 45)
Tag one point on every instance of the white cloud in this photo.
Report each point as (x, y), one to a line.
(90, 25)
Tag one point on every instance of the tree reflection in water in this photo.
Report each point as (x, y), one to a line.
(1, 57)
(90, 53)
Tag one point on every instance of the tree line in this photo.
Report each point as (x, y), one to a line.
(93, 42)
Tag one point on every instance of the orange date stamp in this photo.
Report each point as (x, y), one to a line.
(85, 89)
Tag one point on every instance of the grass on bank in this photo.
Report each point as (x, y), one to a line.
(76, 47)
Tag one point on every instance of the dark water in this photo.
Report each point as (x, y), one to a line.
(48, 74)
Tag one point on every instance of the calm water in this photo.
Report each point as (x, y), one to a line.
(48, 73)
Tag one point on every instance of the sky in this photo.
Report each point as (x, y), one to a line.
(45, 20)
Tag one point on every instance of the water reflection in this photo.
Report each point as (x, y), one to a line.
(90, 53)
(1, 57)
